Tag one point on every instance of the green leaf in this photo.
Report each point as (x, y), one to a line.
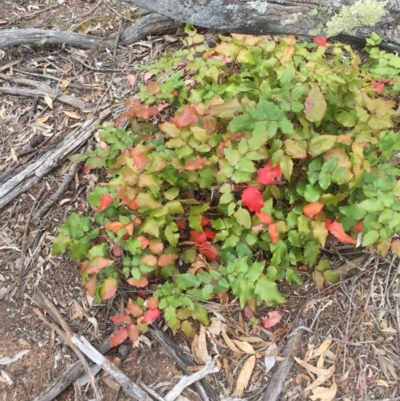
(243, 217)
(170, 315)
(60, 244)
(371, 205)
(286, 165)
(79, 251)
(321, 144)
(268, 291)
(201, 315)
(311, 252)
(315, 105)
(171, 234)
(187, 280)
(347, 119)
(370, 238)
(150, 226)
(331, 276)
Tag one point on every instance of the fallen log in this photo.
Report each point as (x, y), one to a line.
(347, 20)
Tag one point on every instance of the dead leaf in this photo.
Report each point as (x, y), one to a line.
(48, 100)
(245, 347)
(228, 341)
(201, 349)
(13, 154)
(170, 38)
(324, 394)
(64, 84)
(131, 79)
(270, 357)
(313, 369)
(43, 119)
(322, 348)
(72, 114)
(7, 360)
(215, 327)
(244, 375)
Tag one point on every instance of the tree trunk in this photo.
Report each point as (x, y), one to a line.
(348, 20)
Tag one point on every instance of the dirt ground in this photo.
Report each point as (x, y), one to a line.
(350, 329)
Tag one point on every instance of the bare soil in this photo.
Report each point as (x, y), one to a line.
(360, 316)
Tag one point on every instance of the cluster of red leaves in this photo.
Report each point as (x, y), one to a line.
(130, 329)
(203, 239)
(320, 40)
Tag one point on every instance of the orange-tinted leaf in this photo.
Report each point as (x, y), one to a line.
(94, 265)
(181, 224)
(114, 226)
(337, 230)
(319, 231)
(318, 278)
(119, 337)
(273, 233)
(151, 303)
(114, 360)
(119, 319)
(133, 333)
(269, 175)
(105, 200)
(138, 109)
(264, 218)
(149, 260)
(144, 241)
(195, 164)
(205, 221)
(312, 209)
(153, 87)
(396, 247)
(156, 246)
(273, 318)
(165, 260)
(252, 199)
(134, 309)
(189, 116)
(108, 288)
(197, 237)
(315, 105)
(142, 282)
(151, 315)
(209, 123)
(91, 285)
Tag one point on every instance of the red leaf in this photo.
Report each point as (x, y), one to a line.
(252, 199)
(189, 116)
(269, 175)
(273, 233)
(312, 209)
(138, 109)
(181, 224)
(207, 250)
(165, 260)
(320, 40)
(273, 318)
(119, 319)
(337, 230)
(151, 315)
(174, 93)
(108, 288)
(133, 333)
(379, 86)
(264, 218)
(85, 169)
(209, 234)
(257, 228)
(198, 237)
(119, 337)
(142, 282)
(205, 221)
(195, 165)
(248, 312)
(134, 309)
(359, 226)
(94, 265)
(105, 200)
(116, 250)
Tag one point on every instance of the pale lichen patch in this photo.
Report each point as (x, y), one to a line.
(259, 5)
(362, 13)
